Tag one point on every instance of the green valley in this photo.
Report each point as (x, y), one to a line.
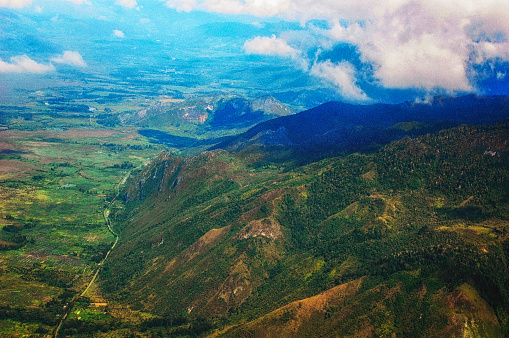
(56, 177)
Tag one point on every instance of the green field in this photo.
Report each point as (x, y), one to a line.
(57, 176)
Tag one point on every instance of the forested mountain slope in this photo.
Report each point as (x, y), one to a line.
(411, 239)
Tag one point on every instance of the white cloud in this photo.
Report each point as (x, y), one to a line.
(342, 75)
(422, 44)
(15, 3)
(127, 3)
(254, 7)
(412, 47)
(292, 9)
(423, 62)
(182, 5)
(269, 46)
(70, 58)
(23, 64)
(489, 50)
(79, 2)
(426, 100)
(118, 34)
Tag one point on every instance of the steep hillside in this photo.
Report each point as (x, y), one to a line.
(347, 311)
(411, 239)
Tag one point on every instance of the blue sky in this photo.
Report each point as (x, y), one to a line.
(357, 51)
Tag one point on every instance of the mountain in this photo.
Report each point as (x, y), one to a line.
(410, 239)
(241, 112)
(339, 128)
(206, 114)
(193, 124)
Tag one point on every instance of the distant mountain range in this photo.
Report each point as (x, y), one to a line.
(219, 111)
(336, 128)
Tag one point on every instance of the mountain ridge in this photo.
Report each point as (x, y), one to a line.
(339, 128)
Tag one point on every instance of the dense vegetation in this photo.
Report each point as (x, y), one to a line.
(337, 128)
(421, 225)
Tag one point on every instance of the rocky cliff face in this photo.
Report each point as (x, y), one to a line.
(271, 106)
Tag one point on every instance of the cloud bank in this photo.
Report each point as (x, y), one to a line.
(23, 64)
(426, 45)
(15, 3)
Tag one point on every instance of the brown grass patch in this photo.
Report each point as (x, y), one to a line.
(170, 100)
(203, 244)
(6, 146)
(98, 304)
(292, 319)
(267, 227)
(70, 134)
(13, 166)
(85, 133)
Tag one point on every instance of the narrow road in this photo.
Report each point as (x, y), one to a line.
(108, 223)
(68, 308)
